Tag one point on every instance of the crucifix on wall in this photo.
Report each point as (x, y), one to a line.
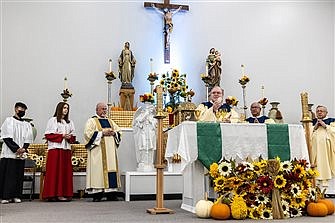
(167, 10)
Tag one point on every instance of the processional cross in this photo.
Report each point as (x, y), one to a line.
(167, 10)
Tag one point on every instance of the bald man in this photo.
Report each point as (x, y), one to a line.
(102, 136)
(255, 109)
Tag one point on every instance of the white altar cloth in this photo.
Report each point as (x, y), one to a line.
(239, 141)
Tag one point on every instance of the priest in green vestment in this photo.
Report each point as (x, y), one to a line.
(102, 137)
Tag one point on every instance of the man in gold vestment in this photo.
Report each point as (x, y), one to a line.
(323, 146)
(102, 138)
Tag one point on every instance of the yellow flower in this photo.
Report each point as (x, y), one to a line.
(169, 109)
(298, 169)
(219, 182)
(213, 170)
(280, 181)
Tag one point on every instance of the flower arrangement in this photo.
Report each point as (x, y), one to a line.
(38, 159)
(175, 85)
(263, 101)
(147, 97)
(256, 182)
(232, 100)
(152, 77)
(244, 80)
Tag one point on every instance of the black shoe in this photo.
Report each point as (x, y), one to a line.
(97, 197)
(112, 197)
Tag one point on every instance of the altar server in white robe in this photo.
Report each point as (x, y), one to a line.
(17, 134)
(323, 146)
(102, 137)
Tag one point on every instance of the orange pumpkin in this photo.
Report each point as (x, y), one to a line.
(220, 211)
(329, 204)
(317, 209)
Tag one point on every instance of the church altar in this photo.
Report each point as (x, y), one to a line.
(239, 141)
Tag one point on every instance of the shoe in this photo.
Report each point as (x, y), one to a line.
(17, 200)
(62, 199)
(4, 201)
(96, 199)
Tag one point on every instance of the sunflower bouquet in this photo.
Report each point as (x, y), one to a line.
(175, 85)
(255, 182)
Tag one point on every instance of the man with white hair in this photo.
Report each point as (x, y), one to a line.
(102, 137)
(323, 146)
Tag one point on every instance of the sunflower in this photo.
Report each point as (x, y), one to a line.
(224, 168)
(235, 182)
(261, 199)
(175, 73)
(266, 214)
(40, 158)
(163, 75)
(219, 183)
(162, 82)
(299, 170)
(253, 213)
(279, 181)
(257, 167)
(286, 208)
(295, 190)
(295, 212)
(299, 201)
(286, 166)
(73, 158)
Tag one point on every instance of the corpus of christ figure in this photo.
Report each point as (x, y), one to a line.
(167, 10)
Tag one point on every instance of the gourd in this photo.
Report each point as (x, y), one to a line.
(317, 209)
(203, 208)
(220, 210)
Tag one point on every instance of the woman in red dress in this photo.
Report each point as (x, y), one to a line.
(58, 181)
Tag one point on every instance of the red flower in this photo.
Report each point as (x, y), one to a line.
(265, 184)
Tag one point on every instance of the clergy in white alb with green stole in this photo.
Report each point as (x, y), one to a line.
(102, 137)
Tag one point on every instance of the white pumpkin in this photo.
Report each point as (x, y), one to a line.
(203, 208)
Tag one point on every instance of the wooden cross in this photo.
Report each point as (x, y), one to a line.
(167, 10)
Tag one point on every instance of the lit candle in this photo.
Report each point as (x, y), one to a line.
(242, 69)
(65, 83)
(206, 74)
(110, 65)
(262, 91)
(151, 63)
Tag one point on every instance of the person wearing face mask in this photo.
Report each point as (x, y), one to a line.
(17, 134)
(209, 109)
(323, 146)
(60, 133)
(102, 136)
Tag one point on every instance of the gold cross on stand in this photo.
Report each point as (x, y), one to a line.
(167, 10)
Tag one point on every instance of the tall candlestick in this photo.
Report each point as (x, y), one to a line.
(110, 65)
(262, 91)
(65, 83)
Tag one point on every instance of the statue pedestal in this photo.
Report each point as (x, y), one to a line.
(127, 98)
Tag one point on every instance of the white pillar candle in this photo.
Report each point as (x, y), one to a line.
(110, 65)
